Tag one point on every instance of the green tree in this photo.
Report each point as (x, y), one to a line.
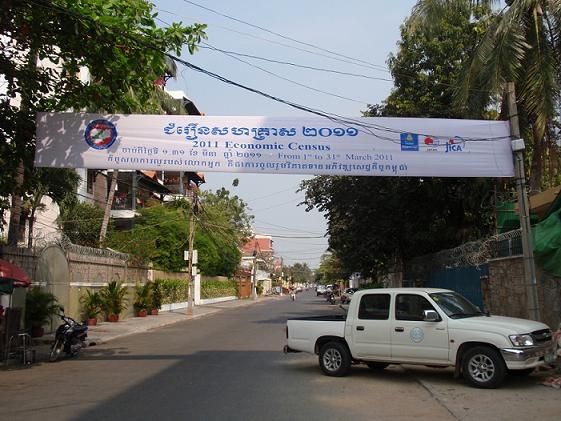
(519, 43)
(53, 182)
(224, 223)
(160, 234)
(330, 269)
(376, 223)
(299, 273)
(80, 221)
(118, 41)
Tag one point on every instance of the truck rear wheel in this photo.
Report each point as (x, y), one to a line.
(334, 359)
(483, 367)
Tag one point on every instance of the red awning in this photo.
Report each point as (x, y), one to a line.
(10, 271)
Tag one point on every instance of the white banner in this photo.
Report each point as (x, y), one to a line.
(287, 145)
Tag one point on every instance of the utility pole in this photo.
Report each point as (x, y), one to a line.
(254, 277)
(191, 290)
(523, 207)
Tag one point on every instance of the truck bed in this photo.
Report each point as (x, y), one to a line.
(303, 332)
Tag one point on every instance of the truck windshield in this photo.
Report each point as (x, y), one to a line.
(455, 305)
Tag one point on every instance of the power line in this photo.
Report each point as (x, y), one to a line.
(293, 81)
(281, 35)
(375, 67)
(287, 63)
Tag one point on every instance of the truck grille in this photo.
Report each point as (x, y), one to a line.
(541, 336)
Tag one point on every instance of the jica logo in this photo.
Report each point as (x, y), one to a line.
(454, 144)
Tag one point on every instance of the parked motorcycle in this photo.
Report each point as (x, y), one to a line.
(69, 337)
(331, 297)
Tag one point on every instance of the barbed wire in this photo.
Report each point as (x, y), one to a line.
(42, 240)
(474, 253)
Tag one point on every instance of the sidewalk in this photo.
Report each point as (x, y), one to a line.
(105, 331)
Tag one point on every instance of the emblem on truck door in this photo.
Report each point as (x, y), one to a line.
(417, 335)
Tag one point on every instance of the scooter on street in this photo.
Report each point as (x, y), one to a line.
(70, 337)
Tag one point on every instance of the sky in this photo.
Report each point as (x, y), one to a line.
(354, 36)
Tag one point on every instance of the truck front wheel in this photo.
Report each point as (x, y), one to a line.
(334, 359)
(483, 367)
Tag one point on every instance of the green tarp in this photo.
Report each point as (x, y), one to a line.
(547, 243)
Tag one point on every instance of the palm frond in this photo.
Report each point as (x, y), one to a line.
(540, 83)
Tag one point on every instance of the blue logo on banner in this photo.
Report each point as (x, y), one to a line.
(100, 134)
(409, 141)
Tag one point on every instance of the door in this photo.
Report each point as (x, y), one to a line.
(412, 338)
(370, 330)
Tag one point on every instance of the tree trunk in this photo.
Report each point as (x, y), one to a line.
(30, 233)
(536, 166)
(15, 211)
(108, 206)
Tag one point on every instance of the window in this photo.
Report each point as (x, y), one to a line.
(411, 307)
(374, 307)
(90, 179)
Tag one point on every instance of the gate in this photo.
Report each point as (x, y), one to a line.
(464, 280)
(244, 288)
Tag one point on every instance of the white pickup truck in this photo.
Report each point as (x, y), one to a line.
(434, 327)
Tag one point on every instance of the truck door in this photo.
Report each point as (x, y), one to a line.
(370, 330)
(414, 339)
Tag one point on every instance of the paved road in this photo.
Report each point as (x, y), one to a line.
(229, 366)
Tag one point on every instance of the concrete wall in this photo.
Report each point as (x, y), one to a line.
(504, 292)
(159, 274)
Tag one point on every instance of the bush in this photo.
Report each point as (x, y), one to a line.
(141, 297)
(91, 302)
(156, 296)
(40, 306)
(259, 288)
(173, 290)
(113, 298)
(217, 289)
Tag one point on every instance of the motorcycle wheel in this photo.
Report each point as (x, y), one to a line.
(74, 349)
(56, 350)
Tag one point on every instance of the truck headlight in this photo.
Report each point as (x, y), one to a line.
(521, 340)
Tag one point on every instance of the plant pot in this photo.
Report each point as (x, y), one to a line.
(92, 321)
(142, 313)
(37, 332)
(113, 318)
(154, 312)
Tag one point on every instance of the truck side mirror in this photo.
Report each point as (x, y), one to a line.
(430, 316)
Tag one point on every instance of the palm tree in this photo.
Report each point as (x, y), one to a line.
(519, 43)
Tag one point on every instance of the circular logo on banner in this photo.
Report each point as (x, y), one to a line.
(417, 335)
(100, 134)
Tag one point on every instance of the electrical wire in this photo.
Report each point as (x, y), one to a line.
(294, 82)
(368, 128)
(208, 46)
(375, 67)
(281, 35)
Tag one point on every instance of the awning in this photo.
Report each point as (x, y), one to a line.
(10, 273)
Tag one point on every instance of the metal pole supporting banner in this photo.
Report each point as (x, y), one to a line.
(191, 298)
(524, 208)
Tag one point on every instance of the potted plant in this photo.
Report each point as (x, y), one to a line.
(40, 306)
(113, 300)
(92, 303)
(156, 297)
(141, 299)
